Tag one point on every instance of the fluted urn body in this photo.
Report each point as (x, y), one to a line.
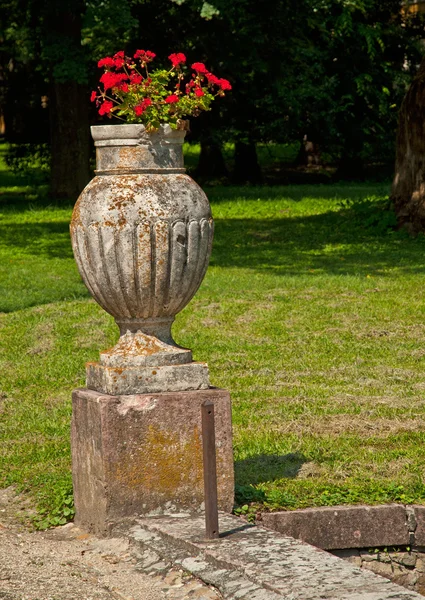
(142, 234)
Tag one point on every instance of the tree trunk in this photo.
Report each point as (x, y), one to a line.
(308, 155)
(247, 169)
(211, 162)
(408, 190)
(68, 99)
(70, 143)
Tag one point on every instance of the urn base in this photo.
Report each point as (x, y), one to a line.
(130, 380)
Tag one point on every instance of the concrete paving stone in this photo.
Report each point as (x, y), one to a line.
(420, 525)
(159, 567)
(340, 527)
(279, 565)
(248, 589)
(231, 587)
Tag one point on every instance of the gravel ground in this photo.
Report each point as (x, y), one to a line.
(66, 563)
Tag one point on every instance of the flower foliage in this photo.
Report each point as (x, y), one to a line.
(132, 92)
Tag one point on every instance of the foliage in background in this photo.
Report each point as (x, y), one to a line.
(29, 160)
(369, 52)
(334, 70)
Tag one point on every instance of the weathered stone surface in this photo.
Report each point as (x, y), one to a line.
(143, 380)
(343, 526)
(142, 234)
(142, 454)
(249, 562)
(420, 524)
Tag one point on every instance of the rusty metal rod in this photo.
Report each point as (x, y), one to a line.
(210, 471)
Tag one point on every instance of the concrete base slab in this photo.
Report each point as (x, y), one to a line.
(251, 563)
(142, 454)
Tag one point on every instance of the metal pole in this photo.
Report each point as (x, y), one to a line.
(210, 471)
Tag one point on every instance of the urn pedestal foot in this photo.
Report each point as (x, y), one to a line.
(140, 363)
(143, 380)
(142, 455)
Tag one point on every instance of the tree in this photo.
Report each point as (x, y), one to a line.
(365, 51)
(331, 69)
(56, 43)
(408, 190)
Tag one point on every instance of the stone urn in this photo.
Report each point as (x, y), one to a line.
(142, 233)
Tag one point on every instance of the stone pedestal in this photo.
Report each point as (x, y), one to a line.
(142, 455)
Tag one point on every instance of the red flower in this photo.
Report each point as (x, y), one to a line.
(111, 80)
(140, 108)
(123, 87)
(177, 59)
(199, 92)
(172, 99)
(106, 108)
(224, 84)
(212, 79)
(93, 96)
(199, 67)
(144, 55)
(119, 59)
(106, 62)
(135, 78)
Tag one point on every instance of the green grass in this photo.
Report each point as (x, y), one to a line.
(312, 314)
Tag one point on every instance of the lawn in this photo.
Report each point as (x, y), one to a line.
(312, 314)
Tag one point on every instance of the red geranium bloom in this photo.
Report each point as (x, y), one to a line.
(199, 67)
(111, 80)
(177, 58)
(106, 108)
(212, 79)
(224, 84)
(144, 55)
(135, 78)
(93, 96)
(106, 62)
(123, 87)
(140, 108)
(189, 86)
(172, 99)
(199, 92)
(119, 59)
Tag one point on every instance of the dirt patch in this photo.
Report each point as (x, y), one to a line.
(66, 563)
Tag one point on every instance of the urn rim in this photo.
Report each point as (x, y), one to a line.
(135, 134)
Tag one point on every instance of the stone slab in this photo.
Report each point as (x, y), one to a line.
(125, 381)
(419, 513)
(249, 562)
(337, 527)
(142, 454)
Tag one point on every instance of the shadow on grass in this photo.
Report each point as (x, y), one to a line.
(264, 468)
(333, 242)
(349, 190)
(51, 240)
